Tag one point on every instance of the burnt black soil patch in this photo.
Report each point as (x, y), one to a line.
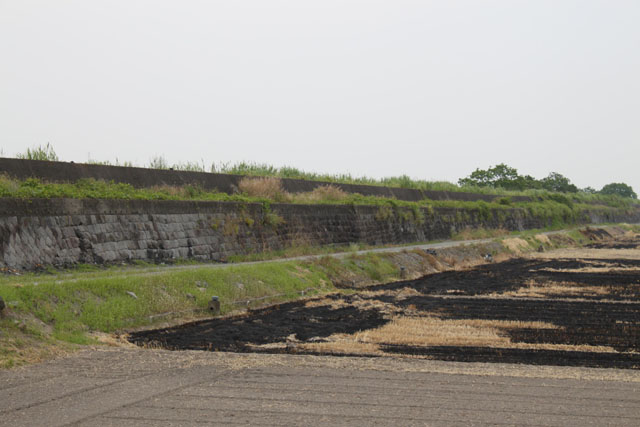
(613, 246)
(513, 274)
(605, 313)
(516, 355)
(273, 324)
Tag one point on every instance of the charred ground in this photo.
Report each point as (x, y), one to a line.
(581, 311)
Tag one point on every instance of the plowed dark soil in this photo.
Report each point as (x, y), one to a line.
(590, 309)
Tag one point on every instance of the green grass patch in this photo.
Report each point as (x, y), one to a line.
(101, 300)
(49, 310)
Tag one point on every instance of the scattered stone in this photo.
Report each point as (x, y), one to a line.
(191, 296)
(432, 252)
(202, 284)
(240, 286)
(403, 272)
(540, 248)
(2, 304)
(214, 305)
(131, 294)
(488, 258)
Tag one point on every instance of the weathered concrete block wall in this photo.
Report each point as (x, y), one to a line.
(64, 232)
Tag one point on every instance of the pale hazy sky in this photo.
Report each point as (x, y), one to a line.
(431, 89)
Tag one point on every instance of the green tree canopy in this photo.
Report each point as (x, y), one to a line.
(498, 176)
(619, 189)
(559, 183)
(506, 177)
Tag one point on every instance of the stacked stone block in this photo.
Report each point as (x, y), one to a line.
(65, 232)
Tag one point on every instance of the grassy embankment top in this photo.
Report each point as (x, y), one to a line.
(556, 208)
(497, 180)
(258, 190)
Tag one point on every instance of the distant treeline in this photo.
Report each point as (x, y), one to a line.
(503, 176)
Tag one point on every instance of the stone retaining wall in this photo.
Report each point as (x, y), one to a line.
(64, 232)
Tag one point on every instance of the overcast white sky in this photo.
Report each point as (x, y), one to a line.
(431, 89)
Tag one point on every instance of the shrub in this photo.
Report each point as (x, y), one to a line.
(505, 201)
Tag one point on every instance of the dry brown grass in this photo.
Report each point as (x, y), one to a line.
(369, 304)
(323, 193)
(434, 331)
(333, 303)
(18, 348)
(539, 290)
(469, 233)
(433, 262)
(406, 293)
(587, 253)
(431, 330)
(515, 244)
(543, 238)
(267, 187)
(601, 269)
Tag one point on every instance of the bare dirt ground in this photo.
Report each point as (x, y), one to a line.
(133, 387)
(577, 307)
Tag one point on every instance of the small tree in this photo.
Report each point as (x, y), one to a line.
(619, 189)
(498, 176)
(558, 183)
